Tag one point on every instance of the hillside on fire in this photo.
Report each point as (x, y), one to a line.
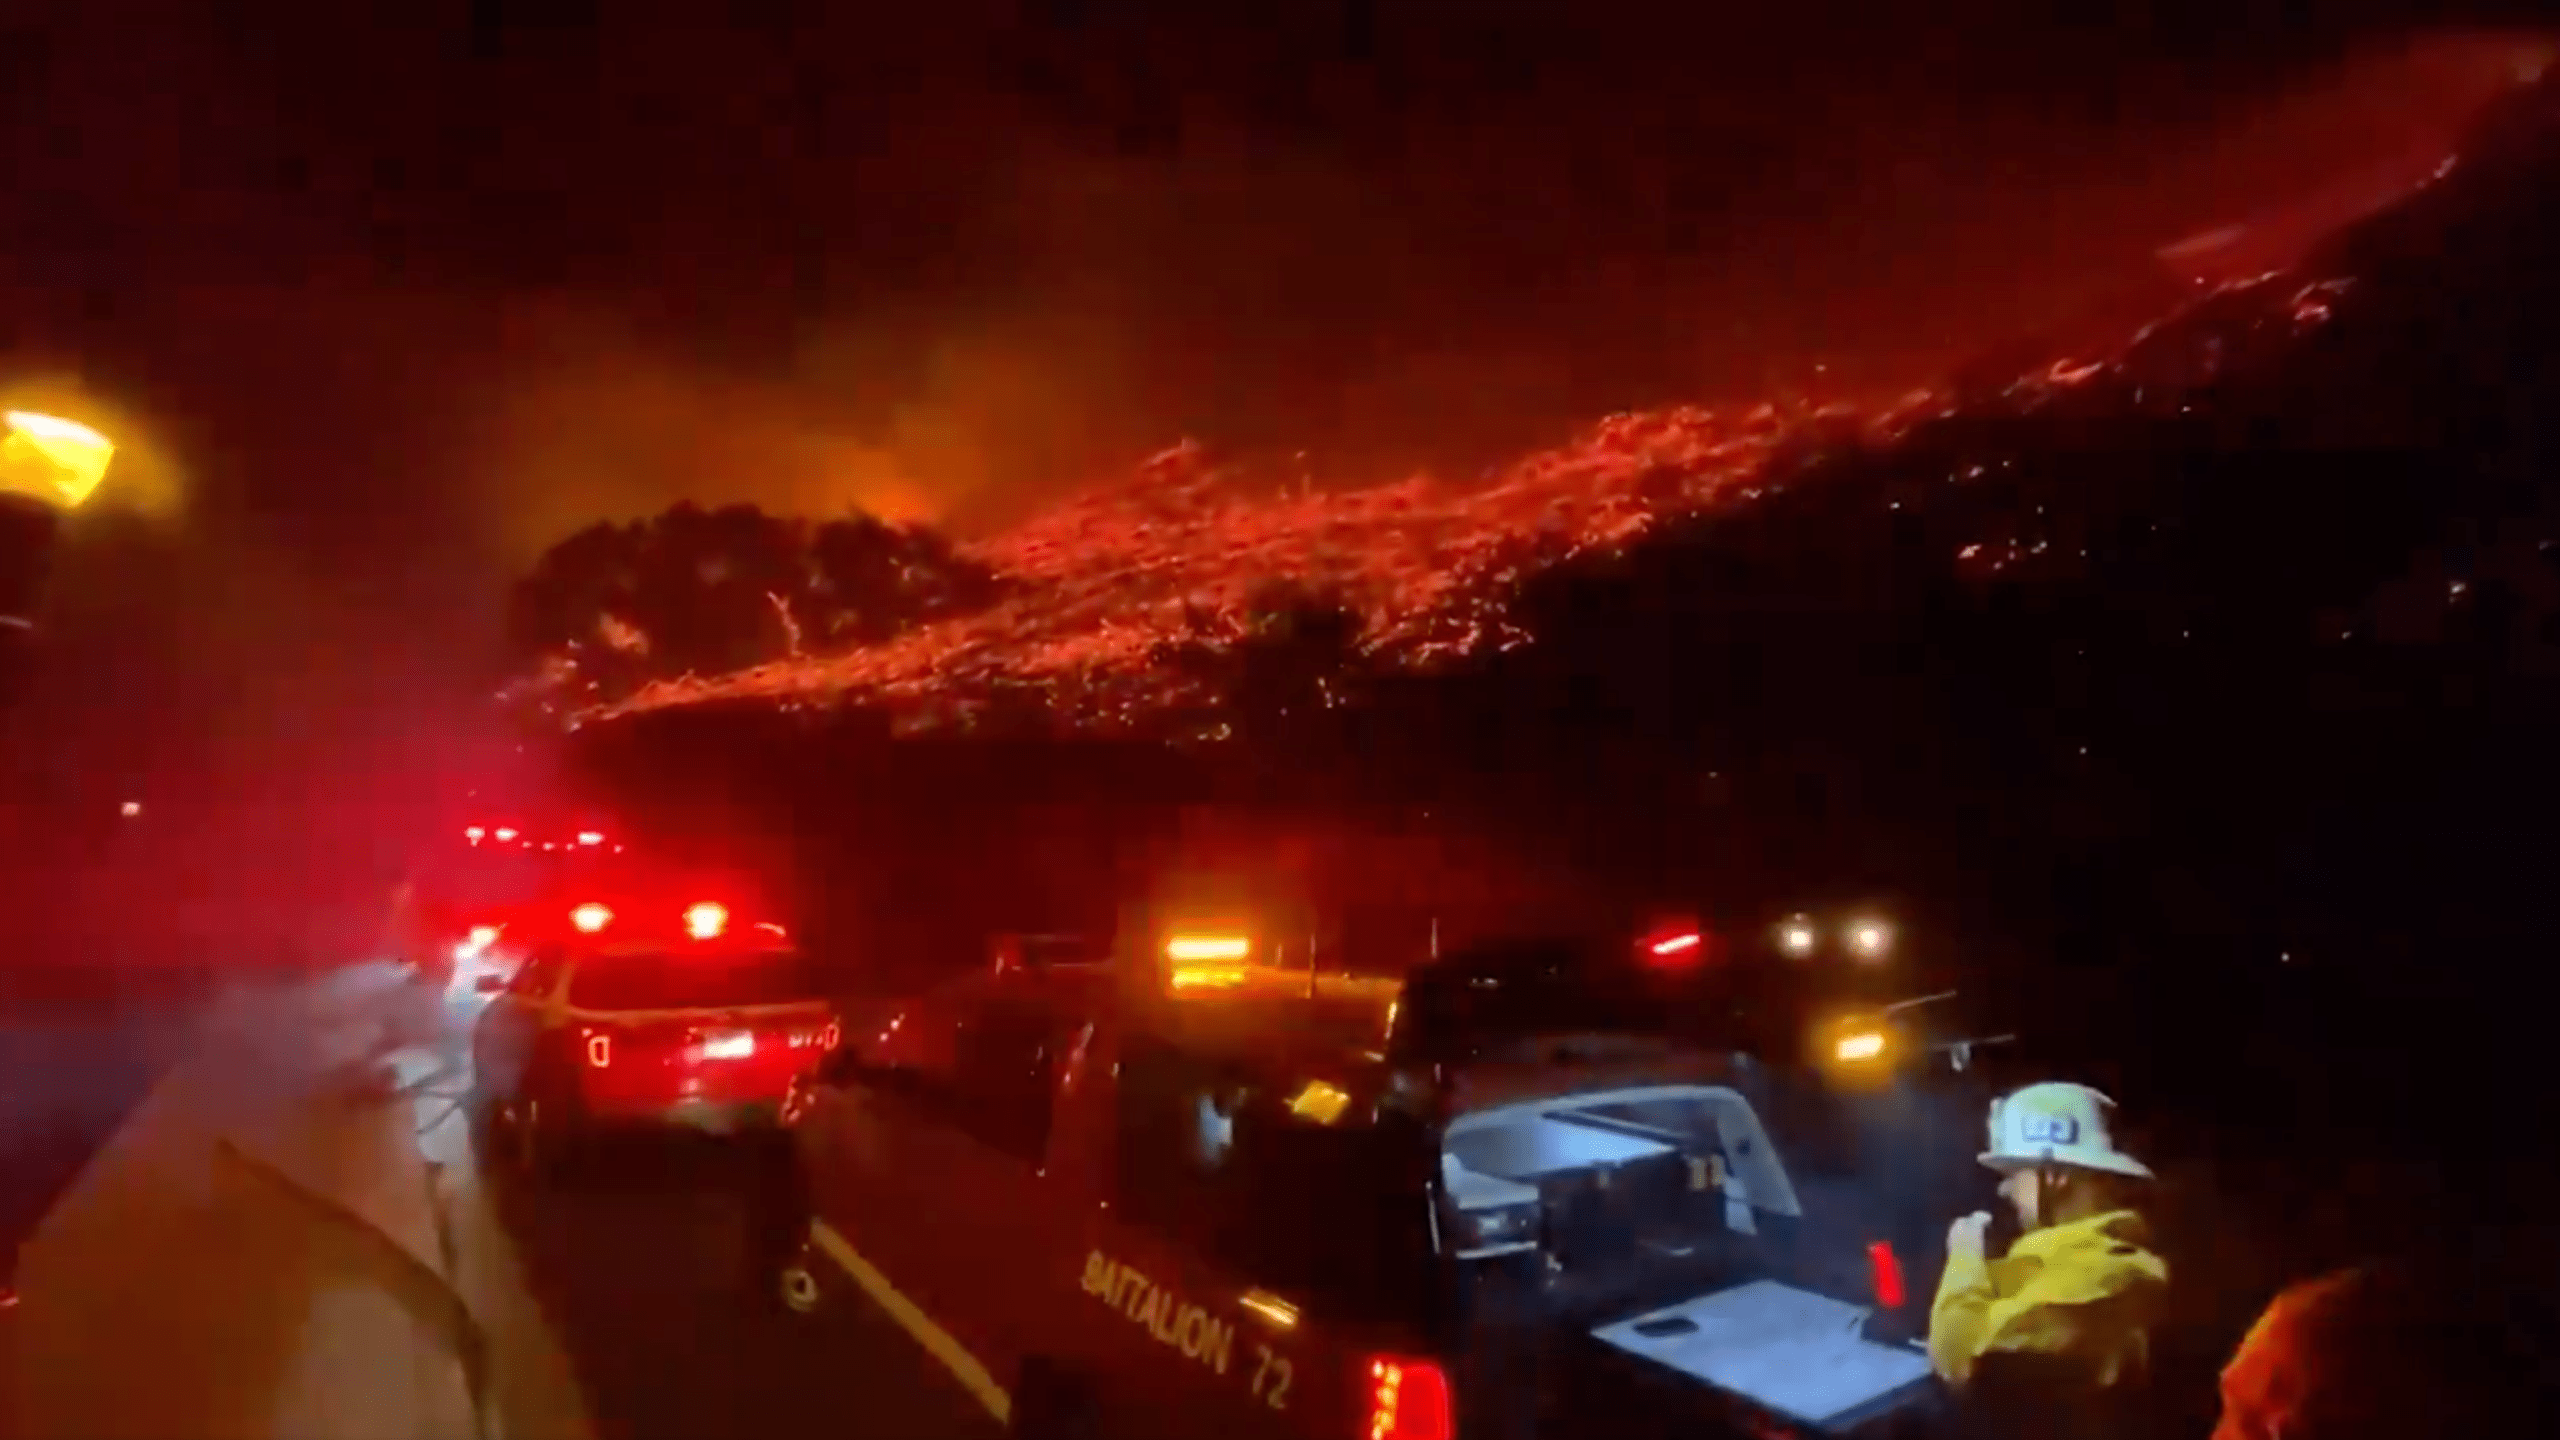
(2098, 659)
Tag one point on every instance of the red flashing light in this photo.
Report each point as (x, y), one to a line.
(589, 837)
(1677, 944)
(600, 1050)
(707, 920)
(504, 833)
(590, 918)
(473, 833)
(1409, 1400)
(1887, 1269)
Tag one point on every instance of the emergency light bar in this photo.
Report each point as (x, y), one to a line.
(1183, 949)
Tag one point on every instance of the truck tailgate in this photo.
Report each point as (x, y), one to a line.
(1786, 1351)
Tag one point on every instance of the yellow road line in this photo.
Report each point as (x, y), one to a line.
(938, 1342)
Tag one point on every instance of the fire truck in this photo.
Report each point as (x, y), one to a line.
(1208, 1175)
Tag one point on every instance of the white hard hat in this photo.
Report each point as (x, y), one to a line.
(2057, 1123)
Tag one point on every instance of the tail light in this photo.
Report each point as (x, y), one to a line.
(599, 1050)
(706, 921)
(1888, 1275)
(591, 918)
(1409, 1400)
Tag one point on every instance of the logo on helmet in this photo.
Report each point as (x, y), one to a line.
(2049, 1129)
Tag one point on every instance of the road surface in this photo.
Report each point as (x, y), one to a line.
(636, 1265)
(78, 1050)
(637, 1255)
(639, 1259)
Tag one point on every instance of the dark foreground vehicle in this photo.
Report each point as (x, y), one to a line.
(1193, 1193)
(687, 1019)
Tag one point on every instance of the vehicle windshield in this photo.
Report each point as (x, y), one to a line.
(694, 981)
(1474, 1003)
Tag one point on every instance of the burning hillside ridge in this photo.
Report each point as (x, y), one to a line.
(1102, 608)
(1112, 609)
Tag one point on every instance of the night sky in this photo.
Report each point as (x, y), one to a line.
(381, 306)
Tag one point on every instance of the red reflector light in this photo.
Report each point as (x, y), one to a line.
(1888, 1275)
(591, 918)
(600, 1050)
(1409, 1400)
(706, 920)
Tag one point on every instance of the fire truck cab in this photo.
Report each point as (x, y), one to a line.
(1174, 1186)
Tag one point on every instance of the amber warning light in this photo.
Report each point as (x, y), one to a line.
(1192, 949)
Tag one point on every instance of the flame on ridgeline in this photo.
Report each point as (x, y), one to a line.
(1106, 592)
(1102, 588)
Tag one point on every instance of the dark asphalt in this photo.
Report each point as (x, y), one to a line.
(639, 1257)
(77, 1051)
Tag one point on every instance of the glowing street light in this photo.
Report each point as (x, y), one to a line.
(54, 460)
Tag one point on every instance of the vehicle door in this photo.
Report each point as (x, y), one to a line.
(1231, 1277)
(503, 1042)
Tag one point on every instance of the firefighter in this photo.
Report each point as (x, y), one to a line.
(2064, 1318)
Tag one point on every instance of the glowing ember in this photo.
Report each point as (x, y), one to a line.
(1106, 592)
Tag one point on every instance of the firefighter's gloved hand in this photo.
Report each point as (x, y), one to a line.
(1964, 1237)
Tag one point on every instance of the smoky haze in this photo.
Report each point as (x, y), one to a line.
(396, 304)
(1441, 299)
